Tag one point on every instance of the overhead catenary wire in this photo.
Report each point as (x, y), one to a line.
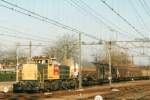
(140, 19)
(146, 7)
(128, 48)
(118, 30)
(26, 14)
(124, 19)
(76, 7)
(24, 33)
(22, 37)
(125, 48)
(90, 11)
(69, 28)
(148, 1)
(14, 35)
(45, 19)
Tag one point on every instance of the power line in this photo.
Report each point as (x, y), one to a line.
(125, 20)
(76, 7)
(96, 13)
(92, 10)
(21, 37)
(45, 19)
(11, 34)
(89, 13)
(144, 8)
(148, 1)
(97, 16)
(125, 47)
(23, 33)
(148, 9)
(113, 24)
(138, 15)
(128, 48)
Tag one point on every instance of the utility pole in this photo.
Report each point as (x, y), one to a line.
(132, 59)
(125, 57)
(80, 66)
(17, 63)
(109, 54)
(30, 50)
(149, 69)
(43, 78)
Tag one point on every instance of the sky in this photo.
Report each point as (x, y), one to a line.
(89, 16)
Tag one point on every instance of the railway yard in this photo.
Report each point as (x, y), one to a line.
(133, 90)
(75, 50)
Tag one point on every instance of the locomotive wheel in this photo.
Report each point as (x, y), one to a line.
(47, 86)
(54, 85)
(64, 85)
(72, 84)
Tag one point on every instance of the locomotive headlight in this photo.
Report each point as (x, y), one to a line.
(5, 90)
(98, 97)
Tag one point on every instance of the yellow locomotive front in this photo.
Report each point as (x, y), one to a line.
(47, 74)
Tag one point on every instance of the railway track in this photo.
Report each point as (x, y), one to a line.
(139, 89)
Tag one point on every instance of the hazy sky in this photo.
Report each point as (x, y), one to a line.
(87, 16)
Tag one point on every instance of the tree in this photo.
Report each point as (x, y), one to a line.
(117, 56)
(9, 56)
(65, 47)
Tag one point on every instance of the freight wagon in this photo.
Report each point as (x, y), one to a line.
(119, 73)
(102, 73)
